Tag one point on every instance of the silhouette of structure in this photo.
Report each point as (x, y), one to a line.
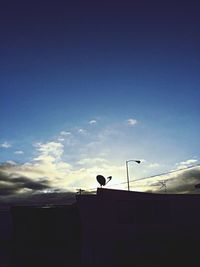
(145, 229)
(111, 228)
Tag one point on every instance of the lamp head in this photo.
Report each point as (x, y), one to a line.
(138, 161)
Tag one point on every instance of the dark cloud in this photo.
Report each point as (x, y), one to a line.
(186, 181)
(10, 185)
(6, 186)
(25, 182)
(3, 176)
(183, 183)
(6, 190)
(21, 190)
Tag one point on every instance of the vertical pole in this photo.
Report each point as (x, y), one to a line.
(127, 175)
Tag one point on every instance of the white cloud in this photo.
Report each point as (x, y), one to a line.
(60, 139)
(48, 165)
(19, 152)
(132, 121)
(153, 165)
(65, 133)
(5, 145)
(11, 162)
(85, 177)
(92, 161)
(66, 137)
(82, 131)
(92, 122)
(50, 151)
(186, 163)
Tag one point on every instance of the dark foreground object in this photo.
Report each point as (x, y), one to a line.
(112, 228)
(46, 236)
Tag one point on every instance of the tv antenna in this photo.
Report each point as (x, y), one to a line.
(102, 180)
(80, 191)
(163, 184)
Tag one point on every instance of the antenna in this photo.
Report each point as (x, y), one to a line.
(79, 191)
(163, 184)
(109, 178)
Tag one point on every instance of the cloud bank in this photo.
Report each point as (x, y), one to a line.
(74, 158)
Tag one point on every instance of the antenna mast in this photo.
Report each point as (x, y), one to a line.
(163, 184)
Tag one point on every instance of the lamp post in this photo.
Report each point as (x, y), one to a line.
(127, 173)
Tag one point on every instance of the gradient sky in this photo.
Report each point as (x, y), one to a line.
(86, 86)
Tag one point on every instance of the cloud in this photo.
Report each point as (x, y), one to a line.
(19, 152)
(188, 162)
(23, 190)
(58, 174)
(92, 161)
(132, 121)
(25, 182)
(11, 162)
(48, 173)
(153, 165)
(50, 151)
(46, 166)
(185, 181)
(66, 138)
(82, 131)
(48, 163)
(184, 164)
(58, 165)
(10, 184)
(60, 139)
(5, 145)
(45, 173)
(92, 122)
(65, 133)
(178, 182)
(85, 176)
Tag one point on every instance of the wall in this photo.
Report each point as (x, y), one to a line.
(121, 227)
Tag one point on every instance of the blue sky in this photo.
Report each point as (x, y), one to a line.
(89, 86)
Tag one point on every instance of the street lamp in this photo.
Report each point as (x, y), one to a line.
(127, 161)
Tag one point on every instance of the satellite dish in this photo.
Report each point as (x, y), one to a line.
(102, 180)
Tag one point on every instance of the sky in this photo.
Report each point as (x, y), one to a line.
(86, 86)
